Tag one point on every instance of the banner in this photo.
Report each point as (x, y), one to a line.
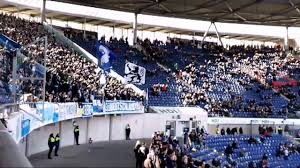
(25, 127)
(122, 106)
(87, 109)
(8, 43)
(67, 111)
(34, 121)
(97, 106)
(45, 111)
(20, 126)
(134, 74)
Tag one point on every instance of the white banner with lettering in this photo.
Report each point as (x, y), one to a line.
(123, 106)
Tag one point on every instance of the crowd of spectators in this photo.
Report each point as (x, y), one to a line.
(167, 152)
(70, 76)
(157, 89)
(235, 67)
(285, 150)
(240, 66)
(5, 75)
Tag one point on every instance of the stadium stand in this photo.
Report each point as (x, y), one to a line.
(180, 73)
(227, 81)
(231, 150)
(70, 77)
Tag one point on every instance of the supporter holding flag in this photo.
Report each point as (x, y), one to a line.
(104, 56)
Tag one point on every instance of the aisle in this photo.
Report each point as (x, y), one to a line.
(113, 154)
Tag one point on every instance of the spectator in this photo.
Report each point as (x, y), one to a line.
(139, 162)
(240, 130)
(222, 131)
(280, 130)
(228, 131)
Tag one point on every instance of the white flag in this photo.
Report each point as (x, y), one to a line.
(134, 74)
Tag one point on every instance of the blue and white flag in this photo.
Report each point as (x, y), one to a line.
(8, 43)
(104, 56)
(134, 74)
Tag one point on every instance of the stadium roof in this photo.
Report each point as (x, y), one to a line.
(32, 11)
(263, 12)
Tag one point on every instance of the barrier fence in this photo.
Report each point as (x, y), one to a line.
(39, 114)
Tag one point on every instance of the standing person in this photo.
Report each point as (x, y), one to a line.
(222, 131)
(241, 131)
(90, 144)
(139, 161)
(57, 140)
(127, 131)
(51, 142)
(217, 130)
(279, 130)
(228, 131)
(202, 130)
(76, 134)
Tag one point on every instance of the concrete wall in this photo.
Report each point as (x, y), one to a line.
(102, 128)
(40, 137)
(99, 128)
(142, 125)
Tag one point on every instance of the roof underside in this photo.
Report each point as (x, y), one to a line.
(265, 12)
(137, 5)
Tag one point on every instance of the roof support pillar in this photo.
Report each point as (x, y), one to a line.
(113, 29)
(217, 32)
(286, 39)
(205, 34)
(135, 29)
(43, 11)
(84, 28)
(194, 38)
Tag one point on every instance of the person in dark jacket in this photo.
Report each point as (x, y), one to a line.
(241, 131)
(51, 142)
(260, 130)
(76, 134)
(57, 141)
(228, 131)
(170, 160)
(127, 132)
(139, 161)
(222, 131)
(228, 151)
(234, 131)
(216, 163)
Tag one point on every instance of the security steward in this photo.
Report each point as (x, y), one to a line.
(280, 130)
(76, 134)
(57, 140)
(51, 143)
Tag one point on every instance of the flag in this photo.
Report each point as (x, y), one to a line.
(8, 43)
(134, 74)
(104, 56)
